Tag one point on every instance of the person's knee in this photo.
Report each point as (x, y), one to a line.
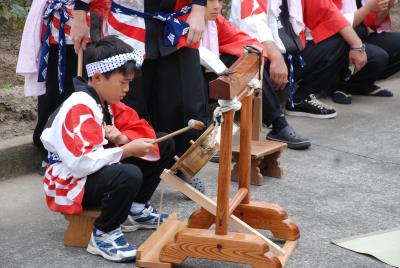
(131, 177)
(378, 58)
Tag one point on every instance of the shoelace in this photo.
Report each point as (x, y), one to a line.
(114, 235)
(315, 102)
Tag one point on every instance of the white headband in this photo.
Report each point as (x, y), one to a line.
(115, 62)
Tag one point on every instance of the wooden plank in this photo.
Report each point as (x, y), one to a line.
(237, 199)
(148, 254)
(210, 205)
(224, 174)
(230, 86)
(257, 115)
(262, 148)
(288, 247)
(245, 146)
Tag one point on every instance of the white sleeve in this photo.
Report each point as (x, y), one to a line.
(349, 17)
(254, 25)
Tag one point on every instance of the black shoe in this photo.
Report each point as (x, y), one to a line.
(311, 107)
(215, 158)
(41, 168)
(341, 97)
(381, 92)
(288, 135)
(196, 183)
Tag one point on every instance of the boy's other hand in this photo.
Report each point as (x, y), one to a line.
(114, 135)
(138, 148)
(359, 59)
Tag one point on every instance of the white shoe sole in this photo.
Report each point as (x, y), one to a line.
(98, 252)
(318, 116)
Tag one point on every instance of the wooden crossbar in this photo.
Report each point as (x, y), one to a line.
(237, 199)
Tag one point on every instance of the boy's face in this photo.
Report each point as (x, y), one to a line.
(112, 89)
(213, 9)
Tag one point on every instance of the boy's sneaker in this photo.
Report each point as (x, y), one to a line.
(311, 107)
(341, 97)
(146, 219)
(381, 92)
(111, 246)
(289, 136)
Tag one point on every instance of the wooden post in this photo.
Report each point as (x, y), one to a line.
(224, 174)
(245, 146)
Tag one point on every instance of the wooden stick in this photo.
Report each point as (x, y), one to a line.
(192, 124)
(211, 206)
(80, 62)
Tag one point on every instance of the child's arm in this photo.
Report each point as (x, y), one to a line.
(137, 148)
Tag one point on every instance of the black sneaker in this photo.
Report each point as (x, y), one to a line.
(311, 107)
(288, 135)
(341, 97)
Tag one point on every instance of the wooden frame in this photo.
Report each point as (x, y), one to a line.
(245, 245)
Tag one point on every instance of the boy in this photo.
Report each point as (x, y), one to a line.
(101, 155)
(222, 37)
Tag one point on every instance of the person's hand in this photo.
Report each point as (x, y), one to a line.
(358, 58)
(278, 72)
(378, 5)
(196, 23)
(138, 148)
(79, 30)
(114, 135)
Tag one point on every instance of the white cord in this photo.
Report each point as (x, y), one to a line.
(161, 204)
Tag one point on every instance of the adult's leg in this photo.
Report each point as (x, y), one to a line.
(52, 99)
(363, 82)
(390, 42)
(325, 61)
(177, 95)
(113, 188)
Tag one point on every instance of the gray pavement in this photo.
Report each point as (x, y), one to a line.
(347, 184)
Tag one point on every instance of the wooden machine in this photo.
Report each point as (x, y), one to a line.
(175, 240)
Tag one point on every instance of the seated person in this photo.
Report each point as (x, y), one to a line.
(101, 155)
(222, 37)
(371, 21)
(325, 53)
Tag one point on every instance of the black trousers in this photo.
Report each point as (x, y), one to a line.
(383, 51)
(325, 63)
(50, 101)
(271, 109)
(113, 188)
(170, 93)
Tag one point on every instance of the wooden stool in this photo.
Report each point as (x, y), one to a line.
(264, 160)
(80, 228)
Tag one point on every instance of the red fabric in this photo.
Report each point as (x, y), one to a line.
(247, 6)
(370, 20)
(128, 30)
(182, 40)
(323, 18)
(231, 40)
(128, 122)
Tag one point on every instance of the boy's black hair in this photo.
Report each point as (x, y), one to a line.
(107, 47)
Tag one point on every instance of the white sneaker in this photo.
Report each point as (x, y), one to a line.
(146, 219)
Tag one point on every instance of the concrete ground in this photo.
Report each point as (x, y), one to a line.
(347, 184)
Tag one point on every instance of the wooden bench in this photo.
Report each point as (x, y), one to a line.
(264, 160)
(80, 228)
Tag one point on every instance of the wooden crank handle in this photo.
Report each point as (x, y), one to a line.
(192, 124)
(80, 62)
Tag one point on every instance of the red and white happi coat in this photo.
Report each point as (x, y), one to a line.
(76, 135)
(132, 29)
(349, 7)
(321, 18)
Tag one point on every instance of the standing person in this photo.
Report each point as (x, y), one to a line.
(371, 20)
(101, 153)
(47, 60)
(291, 25)
(227, 42)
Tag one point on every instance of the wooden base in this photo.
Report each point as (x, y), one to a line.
(232, 247)
(258, 215)
(148, 254)
(80, 228)
(264, 160)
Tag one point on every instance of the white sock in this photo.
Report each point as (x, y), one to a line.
(137, 207)
(99, 232)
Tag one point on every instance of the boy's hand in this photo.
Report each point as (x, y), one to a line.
(138, 148)
(378, 5)
(114, 135)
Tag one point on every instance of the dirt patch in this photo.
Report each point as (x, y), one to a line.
(17, 112)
